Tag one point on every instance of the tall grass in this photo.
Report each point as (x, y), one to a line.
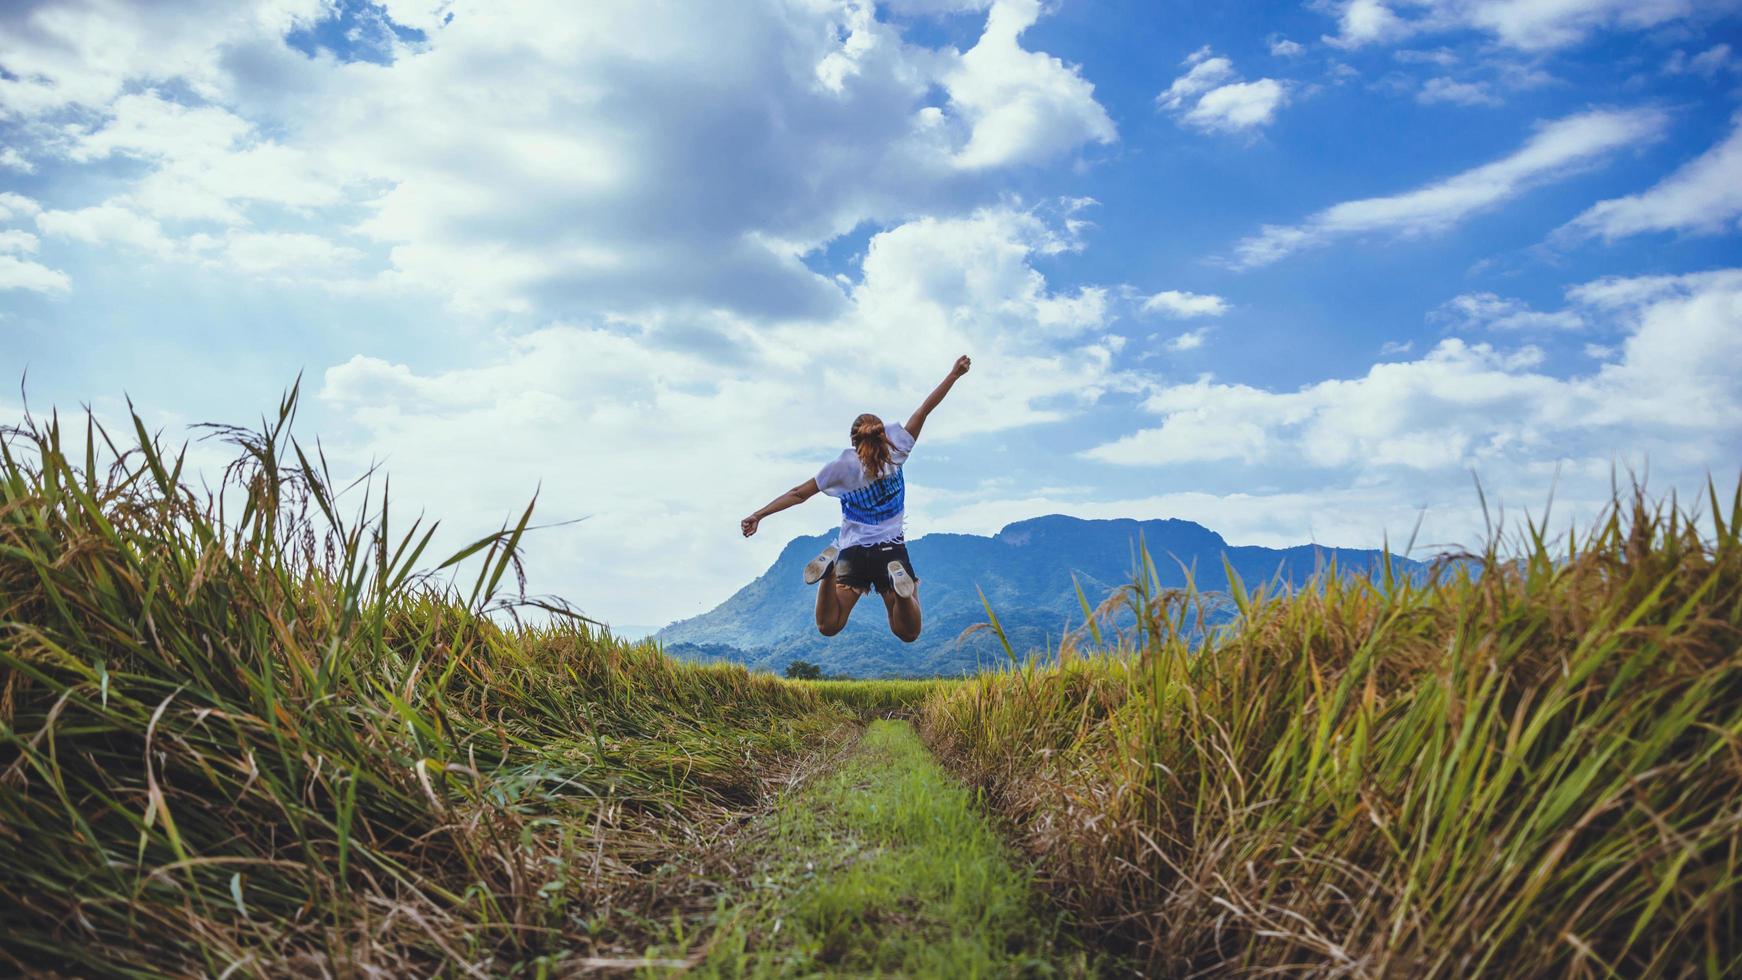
(242, 734)
(878, 698)
(1530, 765)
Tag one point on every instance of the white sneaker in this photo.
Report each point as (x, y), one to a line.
(819, 566)
(900, 581)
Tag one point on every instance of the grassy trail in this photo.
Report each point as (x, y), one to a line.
(885, 867)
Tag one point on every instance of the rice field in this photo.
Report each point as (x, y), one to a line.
(1530, 765)
(241, 734)
(262, 731)
(878, 698)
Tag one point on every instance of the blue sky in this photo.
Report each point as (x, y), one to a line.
(1293, 270)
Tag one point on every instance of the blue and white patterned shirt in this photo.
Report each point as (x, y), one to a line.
(872, 510)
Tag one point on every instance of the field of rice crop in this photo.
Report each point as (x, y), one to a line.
(242, 735)
(878, 697)
(262, 731)
(1529, 766)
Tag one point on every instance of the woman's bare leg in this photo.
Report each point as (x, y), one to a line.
(904, 620)
(834, 604)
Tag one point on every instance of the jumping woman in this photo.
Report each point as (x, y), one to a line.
(870, 552)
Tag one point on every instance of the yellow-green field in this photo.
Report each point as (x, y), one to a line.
(249, 735)
(877, 698)
(262, 744)
(1534, 769)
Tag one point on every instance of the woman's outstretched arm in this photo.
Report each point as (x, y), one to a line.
(792, 498)
(917, 420)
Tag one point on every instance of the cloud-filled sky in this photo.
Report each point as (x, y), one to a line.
(1295, 271)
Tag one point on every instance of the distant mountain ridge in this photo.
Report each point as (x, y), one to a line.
(1025, 571)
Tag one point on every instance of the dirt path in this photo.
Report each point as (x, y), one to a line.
(883, 866)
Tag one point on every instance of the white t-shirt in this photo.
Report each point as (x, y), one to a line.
(872, 511)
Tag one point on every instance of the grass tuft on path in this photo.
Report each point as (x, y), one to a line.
(885, 866)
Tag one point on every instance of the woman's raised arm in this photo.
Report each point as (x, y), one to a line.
(916, 421)
(792, 498)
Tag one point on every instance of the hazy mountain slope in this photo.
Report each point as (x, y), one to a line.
(1025, 571)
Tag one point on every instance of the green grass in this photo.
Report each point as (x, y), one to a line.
(883, 866)
(242, 735)
(1530, 770)
(877, 698)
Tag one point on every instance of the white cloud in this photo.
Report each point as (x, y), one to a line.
(1629, 293)
(1703, 196)
(1708, 64)
(791, 162)
(1238, 106)
(1282, 47)
(72, 53)
(16, 205)
(297, 254)
(11, 159)
(861, 39)
(208, 164)
(1536, 24)
(1671, 393)
(1205, 72)
(22, 274)
(1022, 106)
(1555, 150)
(1182, 305)
(1489, 311)
(14, 240)
(1190, 340)
(695, 435)
(546, 158)
(1517, 77)
(1365, 21)
(934, 8)
(19, 273)
(1458, 93)
(1443, 57)
(1485, 82)
(149, 126)
(108, 224)
(290, 256)
(1713, 60)
(1524, 24)
(1210, 97)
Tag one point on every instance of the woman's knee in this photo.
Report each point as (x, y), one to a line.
(829, 629)
(906, 634)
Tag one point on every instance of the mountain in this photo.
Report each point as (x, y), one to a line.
(1025, 571)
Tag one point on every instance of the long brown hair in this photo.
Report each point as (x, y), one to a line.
(872, 445)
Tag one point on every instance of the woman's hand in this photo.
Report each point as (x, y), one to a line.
(916, 421)
(792, 498)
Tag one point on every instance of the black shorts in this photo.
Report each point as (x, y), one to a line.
(866, 566)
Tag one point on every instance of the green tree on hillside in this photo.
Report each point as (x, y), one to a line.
(803, 670)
